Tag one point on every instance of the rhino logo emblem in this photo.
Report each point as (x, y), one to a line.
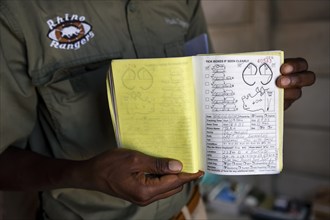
(69, 32)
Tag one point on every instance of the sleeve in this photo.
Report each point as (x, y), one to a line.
(198, 24)
(18, 97)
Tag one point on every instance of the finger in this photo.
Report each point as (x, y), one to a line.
(140, 162)
(151, 187)
(296, 80)
(188, 177)
(287, 104)
(166, 183)
(294, 65)
(292, 94)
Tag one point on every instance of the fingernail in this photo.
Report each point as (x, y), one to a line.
(287, 68)
(174, 165)
(285, 81)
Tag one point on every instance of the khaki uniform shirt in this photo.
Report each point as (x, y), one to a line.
(54, 56)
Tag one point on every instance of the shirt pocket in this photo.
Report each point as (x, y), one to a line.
(73, 82)
(74, 104)
(174, 49)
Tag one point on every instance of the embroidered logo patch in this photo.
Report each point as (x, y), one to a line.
(177, 21)
(69, 32)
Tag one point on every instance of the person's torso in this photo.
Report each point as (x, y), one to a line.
(70, 45)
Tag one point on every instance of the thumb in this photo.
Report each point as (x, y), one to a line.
(174, 166)
(162, 166)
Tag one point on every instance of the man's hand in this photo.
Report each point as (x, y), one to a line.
(295, 75)
(126, 174)
(134, 176)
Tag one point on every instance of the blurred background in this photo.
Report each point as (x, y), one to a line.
(301, 28)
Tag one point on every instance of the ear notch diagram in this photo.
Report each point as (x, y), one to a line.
(266, 74)
(252, 74)
(142, 79)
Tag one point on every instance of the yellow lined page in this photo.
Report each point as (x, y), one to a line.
(155, 105)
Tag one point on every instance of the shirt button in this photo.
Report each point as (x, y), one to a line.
(132, 7)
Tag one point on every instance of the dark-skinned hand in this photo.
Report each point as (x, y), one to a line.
(136, 177)
(295, 76)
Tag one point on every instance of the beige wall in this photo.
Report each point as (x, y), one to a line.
(301, 29)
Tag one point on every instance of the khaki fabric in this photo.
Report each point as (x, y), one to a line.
(54, 56)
